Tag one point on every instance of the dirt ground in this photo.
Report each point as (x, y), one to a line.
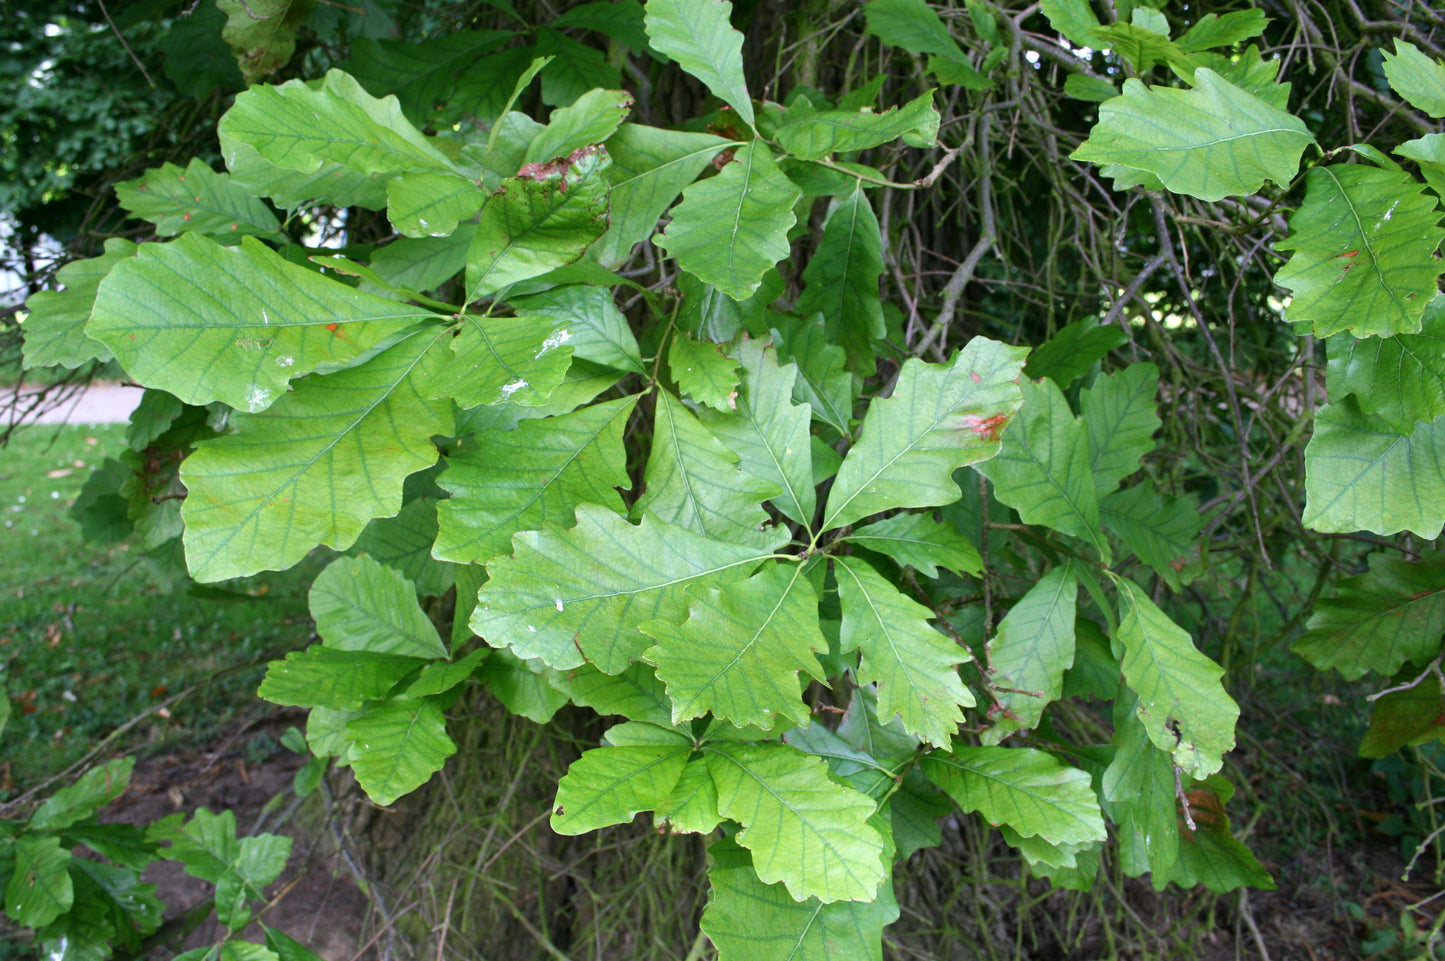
(322, 906)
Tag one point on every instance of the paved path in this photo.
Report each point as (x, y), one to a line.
(97, 404)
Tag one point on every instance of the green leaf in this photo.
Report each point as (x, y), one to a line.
(914, 26)
(1029, 654)
(262, 33)
(330, 142)
(1119, 411)
(940, 417)
(1405, 718)
(1399, 380)
(620, 20)
(824, 382)
(610, 785)
(1379, 621)
(592, 119)
(92, 791)
(699, 35)
(817, 135)
(40, 889)
(287, 949)
(1069, 354)
(160, 314)
(421, 75)
(742, 649)
(636, 693)
(1364, 243)
(803, 829)
(1075, 19)
(914, 666)
(404, 543)
(197, 199)
(752, 201)
(574, 69)
(359, 605)
(262, 497)
(532, 478)
(1138, 784)
(1094, 90)
(1181, 701)
(650, 166)
(920, 542)
(54, 328)
(1216, 30)
(397, 745)
(693, 481)
(545, 217)
(842, 279)
(1360, 474)
(519, 360)
(691, 808)
(1162, 532)
(1210, 142)
(1416, 77)
(521, 686)
(751, 921)
(1141, 46)
(566, 596)
(1429, 152)
(703, 372)
(1212, 856)
(1043, 472)
(207, 848)
(439, 677)
(1247, 70)
(768, 431)
(341, 680)
(598, 331)
(431, 203)
(1032, 792)
(424, 263)
(197, 59)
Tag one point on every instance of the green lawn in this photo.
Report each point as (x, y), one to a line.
(91, 636)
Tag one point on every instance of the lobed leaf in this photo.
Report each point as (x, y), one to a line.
(263, 497)
(1032, 792)
(1416, 77)
(1379, 621)
(1181, 700)
(803, 829)
(842, 279)
(731, 229)
(54, 327)
(578, 595)
(1210, 142)
(1361, 474)
(531, 478)
(939, 418)
(699, 35)
(360, 605)
(1119, 411)
(1399, 380)
(610, 785)
(1364, 243)
(743, 651)
(914, 666)
(1028, 655)
(161, 315)
(196, 199)
(918, 541)
(397, 745)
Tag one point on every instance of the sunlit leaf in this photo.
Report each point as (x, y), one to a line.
(802, 828)
(610, 785)
(566, 596)
(262, 497)
(1032, 792)
(1364, 244)
(920, 542)
(397, 745)
(752, 202)
(161, 315)
(699, 35)
(1032, 649)
(1416, 77)
(744, 651)
(196, 198)
(1210, 142)
(913, 664)
(939, 417)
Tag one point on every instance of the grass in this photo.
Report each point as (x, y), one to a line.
(91, 636)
